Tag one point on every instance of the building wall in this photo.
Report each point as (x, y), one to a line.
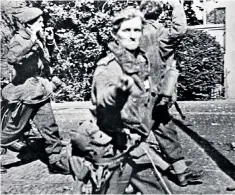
(225, 35)
(230, 48)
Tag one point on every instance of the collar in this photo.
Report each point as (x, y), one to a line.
(24, 33)
(128, 62)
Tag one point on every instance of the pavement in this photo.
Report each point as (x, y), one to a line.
(206, 136)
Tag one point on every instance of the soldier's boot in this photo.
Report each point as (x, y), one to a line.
(231, 188)
(27, 154)
(188, 163)
(59, 163)
(59, 167)
(190, 176)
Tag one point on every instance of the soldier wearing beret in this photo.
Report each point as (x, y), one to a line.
(31, 88)
(160, 43)
(122, 106)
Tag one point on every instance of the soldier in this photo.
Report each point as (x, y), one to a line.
(160, 43)
(122, 106)
(31, 89)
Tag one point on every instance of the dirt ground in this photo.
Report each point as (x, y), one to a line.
(206, 138)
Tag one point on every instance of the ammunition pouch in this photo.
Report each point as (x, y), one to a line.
(95, 152)
(96, 148)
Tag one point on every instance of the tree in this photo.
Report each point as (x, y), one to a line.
(82, 31)
(200, 62)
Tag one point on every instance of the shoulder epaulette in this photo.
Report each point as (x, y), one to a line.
(106, 60)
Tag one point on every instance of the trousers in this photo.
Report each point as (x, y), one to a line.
(44, 120)
(141, 176)
(166, 134)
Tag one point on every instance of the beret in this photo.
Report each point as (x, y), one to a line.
(28, 14)
(126, 14)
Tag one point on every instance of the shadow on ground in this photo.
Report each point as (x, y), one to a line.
(222, 162)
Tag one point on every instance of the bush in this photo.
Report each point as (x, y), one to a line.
(82, 31)
(201, 63)
(8, 27)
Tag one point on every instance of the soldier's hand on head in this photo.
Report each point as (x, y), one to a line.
(125, 83)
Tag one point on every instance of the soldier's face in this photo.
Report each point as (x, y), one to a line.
(38, 25)
(129, 33)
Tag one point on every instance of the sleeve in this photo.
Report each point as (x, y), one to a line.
(106, 91)
(53, 51)
(170, 37)
(18, 51)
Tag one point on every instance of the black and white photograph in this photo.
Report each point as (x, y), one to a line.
(117, 97)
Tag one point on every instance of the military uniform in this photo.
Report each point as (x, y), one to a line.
(31, 90)
(160, 43)
(116, 111)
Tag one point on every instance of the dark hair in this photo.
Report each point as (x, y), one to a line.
(151, 9)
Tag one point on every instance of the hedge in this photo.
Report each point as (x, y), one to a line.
(82, 31)
(200, 62)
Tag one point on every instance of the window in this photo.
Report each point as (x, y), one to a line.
(200, 12)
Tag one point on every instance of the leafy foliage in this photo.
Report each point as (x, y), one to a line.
(190, 14)
(201, 65)
(8, 27)
(82, 31)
